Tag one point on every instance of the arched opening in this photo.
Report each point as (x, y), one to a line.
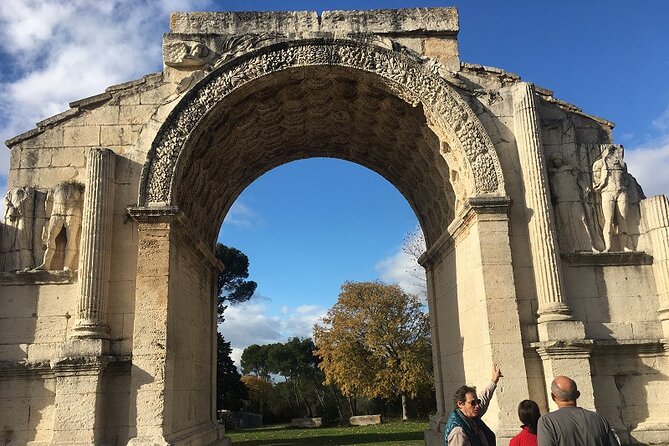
(326, 99)
(307, 227)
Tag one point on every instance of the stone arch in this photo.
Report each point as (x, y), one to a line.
(405, 75)
(387, 110)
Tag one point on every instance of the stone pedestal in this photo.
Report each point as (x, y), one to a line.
(79, 401)
(571, 358)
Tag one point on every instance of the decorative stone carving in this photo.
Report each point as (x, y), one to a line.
(64, 207)
(204, 57)
(567, 192)
(17, 230)
(619, 191)
(404, 73)
(185, 54)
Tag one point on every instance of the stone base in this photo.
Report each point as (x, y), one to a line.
(211, 434)
(433, 438)
(561, 330)
(651, 434)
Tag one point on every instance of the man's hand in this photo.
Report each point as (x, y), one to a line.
(496, 373)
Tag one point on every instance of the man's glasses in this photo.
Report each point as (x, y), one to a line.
(473, 402)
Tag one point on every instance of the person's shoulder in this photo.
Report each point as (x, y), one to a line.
(595, 416)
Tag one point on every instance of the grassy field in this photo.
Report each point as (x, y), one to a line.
(392, 433)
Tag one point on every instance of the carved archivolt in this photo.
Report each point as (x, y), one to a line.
(410, 77)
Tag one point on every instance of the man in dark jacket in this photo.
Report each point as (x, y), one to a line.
(464, 426)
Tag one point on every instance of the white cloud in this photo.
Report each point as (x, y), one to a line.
(58, 51)
(402, 268)
(649, 163)
(249, 323)
(662, 121)
(241, 215)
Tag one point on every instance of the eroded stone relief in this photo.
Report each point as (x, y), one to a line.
(17, 230)
(205, 55)
(620, 196)
(569, 187)
(64, 207)
(596, 202)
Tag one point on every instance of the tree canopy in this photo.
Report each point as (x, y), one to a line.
(232, 284)
(232, 287)
(375, 342)
(295, 363)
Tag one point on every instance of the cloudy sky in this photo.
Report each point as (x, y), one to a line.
(309, 226)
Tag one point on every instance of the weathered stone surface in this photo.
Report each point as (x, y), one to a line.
(242, 93)
(365, 420)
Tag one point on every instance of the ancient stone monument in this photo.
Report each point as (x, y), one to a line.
(536, 232)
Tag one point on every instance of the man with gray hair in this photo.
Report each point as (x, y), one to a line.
(571, 425)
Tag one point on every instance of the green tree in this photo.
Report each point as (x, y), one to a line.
(234, 288)
(232, 284)
(254, 361)
(300, 385)
(231, 392)
(375, 342)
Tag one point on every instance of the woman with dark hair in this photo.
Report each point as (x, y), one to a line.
(528, 412)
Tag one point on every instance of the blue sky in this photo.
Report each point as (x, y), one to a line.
(310, 225)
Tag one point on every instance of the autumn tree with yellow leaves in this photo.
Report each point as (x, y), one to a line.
(375, 342)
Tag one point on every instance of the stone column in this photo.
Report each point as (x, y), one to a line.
(562, 345)
(472, 285)
(656, 213)
(541, 226)
(95, 253)
(159, 365)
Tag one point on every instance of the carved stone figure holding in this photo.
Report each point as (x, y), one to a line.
(611, 180)
(18, 227)
(572, 227)
(64, 205)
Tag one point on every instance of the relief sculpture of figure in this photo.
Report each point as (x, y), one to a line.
(64, 205)
(572, 227)
(17, 229)
(611, 180)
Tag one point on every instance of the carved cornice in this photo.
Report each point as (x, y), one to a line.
(580, 349)
(478, 207)
(20, 369)
(151, 214)
(633, 258)
(38, 277)
(80, 365)
(172, 214)
(644, 347)
(406, 74)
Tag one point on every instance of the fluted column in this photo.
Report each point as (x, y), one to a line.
(545, 261)
(95, 253)
(655, 211)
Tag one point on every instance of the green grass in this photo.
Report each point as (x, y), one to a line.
(406, 433)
